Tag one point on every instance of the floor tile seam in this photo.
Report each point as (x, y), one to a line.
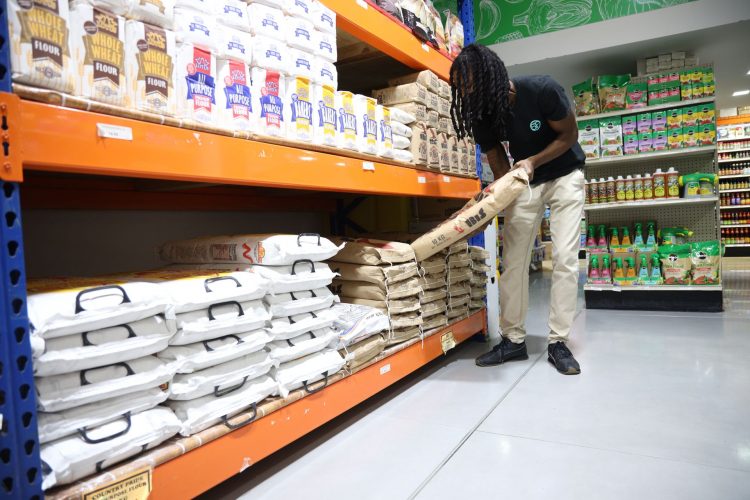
(474, 429)
(612, 450)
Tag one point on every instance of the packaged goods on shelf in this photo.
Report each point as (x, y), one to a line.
(299, 114)
(437, 294)
(444, 108)
(282, 351)
(41, 57)
(270, 55)
(610, 132)
(218, 320)
(299, 33)
(402, 334)
(433, 119)
(362, 352)
(199, 5)
(433, 322)
(95, 348)
(325, 131)
(294, 326)
(266, 21)
(348, 136)
(454, 161)
(454, 33)
(300, 8)
(385, 131)
(419, 146)
(637, 95)
(418, 111)
(433, 148)
(220, 379)
(325, 73)
(234, 44)
(585, 98)
(97, 49)
(432, 281)
(376, 274)
(74, 457)
(235, 104)
(400, 129)
(354, 323)
(196, 415)
(434, 307)
(372, 252)
(433, 101)
(365, 110)
(403, 116)
(324, 45)
(445, 90)
(195, 27)
(293, 303)
(402, 94)
(391, 307)
(426, 78)
(444, 160)
(154, 12)
(232, 13)
(443, 125)
(381, 291)
(195, 83)
(307, 372)
(149, 66)
(201, 355)
(660, 140)
(471, 157)
(612, 92)
(403, 155)
(323, 18)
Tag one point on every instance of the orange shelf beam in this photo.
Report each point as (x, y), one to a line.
(56, 139)
(362, 20)
(203, 468)
(733, 120)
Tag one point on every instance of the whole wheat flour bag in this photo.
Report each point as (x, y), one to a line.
(401, 94)
(427, 78)
(299, 33)
(436, 321)
(481, 209)
(53, 426)
(432, 281)
(232, 13)
(325, 72)
(413, 109)
(372, 252)
(201, 355)
(307, 372)
(365, 109)
(39, 37)
(435, 294)
(394, 306)
(433, 148)
(195, 83)
(220, 379)
(195, 27)
(355, 322)
(266, 249)
(64, 306)
(324, 45)
(97, 48)
(419, 143)
(200, 414)
(363, 351)
(323, 18)
(154, 12)
(347, 130)
(236, 111)
(382, 291)
(396, 336)
(149, 68)
(385, 131)
(269, 90)
(301, 63)
(299, 114)
(282, 351)
(388, 274)
(92, 450)
(103, 347)
(326, 130)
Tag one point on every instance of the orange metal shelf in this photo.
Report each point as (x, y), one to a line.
(57, 139)
(367, 23)
(202, 468)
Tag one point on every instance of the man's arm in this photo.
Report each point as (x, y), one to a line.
(567, 135)
(499, 161)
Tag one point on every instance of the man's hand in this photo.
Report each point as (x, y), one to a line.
(527, 165)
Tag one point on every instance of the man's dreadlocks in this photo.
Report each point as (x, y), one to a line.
(480, 88)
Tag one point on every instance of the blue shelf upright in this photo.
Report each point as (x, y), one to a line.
(20, 465)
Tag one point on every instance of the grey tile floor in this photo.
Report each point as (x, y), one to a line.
(661, 411)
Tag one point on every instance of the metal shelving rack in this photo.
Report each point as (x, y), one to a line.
(728, 145)
(57, 139)
(699, 214)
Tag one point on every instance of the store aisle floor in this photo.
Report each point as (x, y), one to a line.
(660, 411)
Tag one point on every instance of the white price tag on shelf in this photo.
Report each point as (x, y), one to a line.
(446, 178)
(421, 179)
(385, 369)
(114, 132)
(425, 47)
(363, 4)
(447, 341)
(368, 166)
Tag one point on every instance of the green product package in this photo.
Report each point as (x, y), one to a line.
(588, 133)
(676, 264)
(610, 131)
(707, 113)
(690, 116)
(612, 91)
(699, 90)
(586, 100)
(674, 118)
(691, 137)
(636, 96)
(708, 75)
(686, 76)
(686, 92)
(705, 257)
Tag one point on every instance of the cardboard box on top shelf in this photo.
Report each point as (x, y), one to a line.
(691, 61)
(641, 67)
(679, 55)
(679, 63)
(665, 58)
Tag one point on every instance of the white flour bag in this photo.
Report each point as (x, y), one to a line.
(311, 372)
(282, 351)
(293, 326)
(324, 102)
(271, 54)
(354, 322)
(300, 8)
(232, 13)
(323, 18)
(324, 45)
(365, 109)
(268, 88)
(195, 27)
(201, 355)
(299, 113)
(267, 21)
(149, 66)
(293, 303)
(385, 132)
(155, 12)
(39, 50)
(117, 7)
(301, 275)
(218, 320)
(195, 77)
(193, 290)
(234, 44)
(95, 449)
(347, 124)
(299, 33)
(267, 249)
(300, 63)
(199, 5)
(325, 73)
(97, 48)
(236, 109)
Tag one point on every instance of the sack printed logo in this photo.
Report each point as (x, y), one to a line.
(269, 21)
(326, 47)
(370, 127)
(154, 64)
(271, 105)
(236, 45)
(347, 123)
(273, 53)
(301, 32)
(386, 133)
(302, 62)
(238, 93)
(233, 10)
(301, 109)
(326, 73)
(535, 125)
(200, 83)
(327, 20)
(302, 5)
(326, 112)
(198, 25)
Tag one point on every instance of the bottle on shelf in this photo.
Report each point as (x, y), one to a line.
(587, 191)
(620, 189)
(648, 187)
(602, 190)
(673, 184)
(660, 190)
(611, 197)
(629, 188)
(638, 187)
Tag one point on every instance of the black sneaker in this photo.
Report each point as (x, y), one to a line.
(559, 355)
(502, 352)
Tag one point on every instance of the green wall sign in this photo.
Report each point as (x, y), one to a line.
(498, 21)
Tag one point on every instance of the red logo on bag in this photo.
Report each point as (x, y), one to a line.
(246, 251)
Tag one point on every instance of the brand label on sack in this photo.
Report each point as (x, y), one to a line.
(386, 131)
(447, 341)
(301, 62)
(302, 5)
(302, 33)
(231, 9)
(271, 105)
(327, 112)
(236, 45)
(347, 119)
(200, 83)
(154, 64)
(47, 34)
(369, 125)
(269, 21)
(134, 486)
(301, 106)
(237, 91)
(327, 19)
(105, 52)
(198, 26)
(326, 47)
(273, 53)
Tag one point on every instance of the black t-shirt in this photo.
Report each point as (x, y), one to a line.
(538, 99)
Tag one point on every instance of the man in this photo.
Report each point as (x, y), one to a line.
(533, 114)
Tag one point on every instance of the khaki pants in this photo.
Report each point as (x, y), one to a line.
(565, 198)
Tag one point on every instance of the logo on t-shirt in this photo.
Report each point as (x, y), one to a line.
(535, 125)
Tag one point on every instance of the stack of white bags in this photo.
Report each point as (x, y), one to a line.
(362, 332)
(480, 275)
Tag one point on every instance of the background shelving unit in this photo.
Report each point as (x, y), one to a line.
(65, 163)
(734, 155)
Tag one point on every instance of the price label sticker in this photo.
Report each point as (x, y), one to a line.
(114, 132)
(385, 369)
(134, 486)
(425, 47)
(368, 166)
(363, 4)
(421, 179)
(446, 178)
(447, 341)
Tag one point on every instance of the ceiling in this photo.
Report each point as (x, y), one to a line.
(728, 47)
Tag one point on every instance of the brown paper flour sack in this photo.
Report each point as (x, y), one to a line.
(375, 274)
(402, 94)
(432, 281)
(372, 252)
(377, 291)
(477, 212)
(363, 351)
(444, 162)
(426, 78)
(433, 148)
(419, 143)
(434, 295)
(395, 307)
(433, 322)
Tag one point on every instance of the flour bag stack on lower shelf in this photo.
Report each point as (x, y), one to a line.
(98, 382)
(298, 300)
(433, 275)
(479, 277)
(458, 280)
(384, 275)
(361, 332)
